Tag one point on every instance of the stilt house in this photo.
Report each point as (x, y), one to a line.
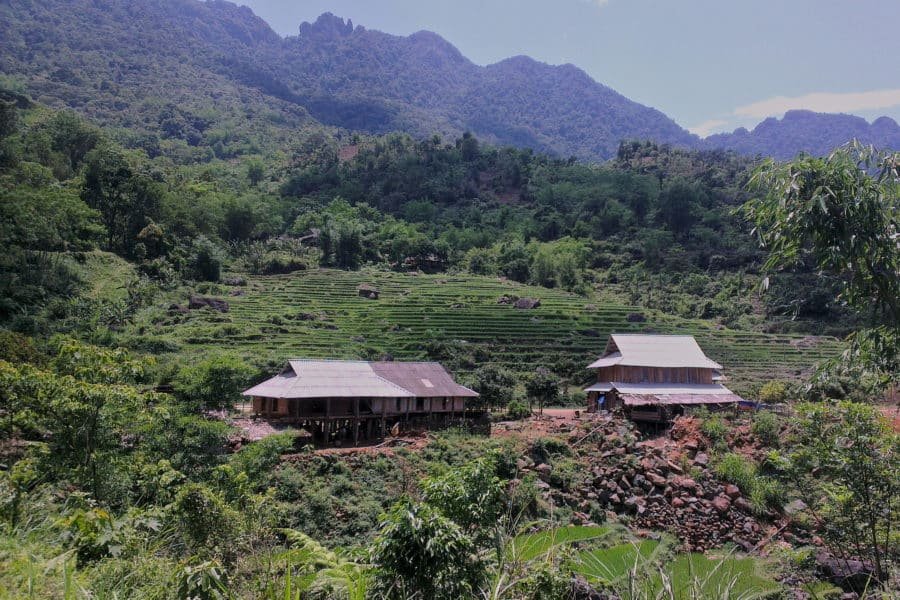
(656, 377)
(341, 399)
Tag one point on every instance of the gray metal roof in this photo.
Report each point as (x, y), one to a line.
(636, 350)
(423, 379)
(328, 379)
(359, 379)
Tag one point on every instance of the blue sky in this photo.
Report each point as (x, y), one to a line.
(712, 65)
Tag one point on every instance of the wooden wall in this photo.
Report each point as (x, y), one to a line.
(624, 374)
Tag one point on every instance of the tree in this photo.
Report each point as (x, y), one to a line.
(214, 383)
(126, 201)
(677, 205)
(255, 172)
(494, 385)
(419, 553)
(842, 214)
(845, 465)
(542, 386)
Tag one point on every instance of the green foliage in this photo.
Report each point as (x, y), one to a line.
(542, 386)
(420, 552)
(516, 410)
(773, 392)
(257, 460)
(206, 580)
(764, 492)
(473, 496)
(845, 466)
(203, 518)
(495, 386)
(716, 429)
(213, 383)
(767, 427)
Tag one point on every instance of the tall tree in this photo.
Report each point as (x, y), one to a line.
(841, 213)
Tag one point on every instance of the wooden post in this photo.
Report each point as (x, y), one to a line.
(384, 402)
(356, 422)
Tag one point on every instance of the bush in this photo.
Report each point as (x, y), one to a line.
(766, 427)
(738, 470)
(715, 428)
(517, 410)
(214, 383)
(773, 392)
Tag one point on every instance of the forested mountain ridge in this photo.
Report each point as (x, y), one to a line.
(191, 74)
(803, 130)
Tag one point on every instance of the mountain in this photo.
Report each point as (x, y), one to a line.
(183, 69)
(806, 131)
(175, 76)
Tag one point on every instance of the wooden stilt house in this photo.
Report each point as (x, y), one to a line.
(353, 400)
(656, 377)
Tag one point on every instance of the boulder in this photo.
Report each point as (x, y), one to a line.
(195, 302)
(367, 290)
(657, 480)
(234, 281)
(732, 491)
(635, 317)
(527, 303)
(543, 471)
(722, 504)
(850, 574)
(702, 459)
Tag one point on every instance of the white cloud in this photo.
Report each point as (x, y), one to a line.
(829, 102)
(707, 127)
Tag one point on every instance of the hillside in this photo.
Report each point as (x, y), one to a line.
(457, 319)
(181, 77)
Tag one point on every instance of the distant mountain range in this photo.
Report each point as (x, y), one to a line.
(183, 68)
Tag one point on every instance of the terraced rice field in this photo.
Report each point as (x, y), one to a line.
(319, 314)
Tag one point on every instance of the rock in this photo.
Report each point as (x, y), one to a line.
(527, 303)
(234, 281)
(743, 505)
(701, 459)
(794, 507)
(195, 302)
(722, 504)
(367, 290)
(237, 293)
(543, 471)
(657, 480)
(635, 317)
(615, 499)
(177, 309)
(686, 483)
(677, 502)
(850, 574)
(507, 299)
(732, 491)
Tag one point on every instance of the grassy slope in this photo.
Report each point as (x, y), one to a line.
(267, 324)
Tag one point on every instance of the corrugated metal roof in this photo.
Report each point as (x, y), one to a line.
(636, 350)
(599, 387)
(642, 394)
(328, 379)
(360, 379)
(423, 379)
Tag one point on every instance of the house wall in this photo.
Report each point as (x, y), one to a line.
(345, 407)
(625, 374)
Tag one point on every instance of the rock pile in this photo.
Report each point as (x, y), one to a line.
(663, 484)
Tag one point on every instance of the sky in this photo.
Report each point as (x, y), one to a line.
(711, 65)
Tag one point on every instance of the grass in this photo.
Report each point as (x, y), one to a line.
(318, 314)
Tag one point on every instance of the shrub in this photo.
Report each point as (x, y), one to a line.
(766, 427)
(738, 470)
(517, 410)
(715, 428)
(773, 392)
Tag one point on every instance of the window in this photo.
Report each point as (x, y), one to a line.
(420, 404)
